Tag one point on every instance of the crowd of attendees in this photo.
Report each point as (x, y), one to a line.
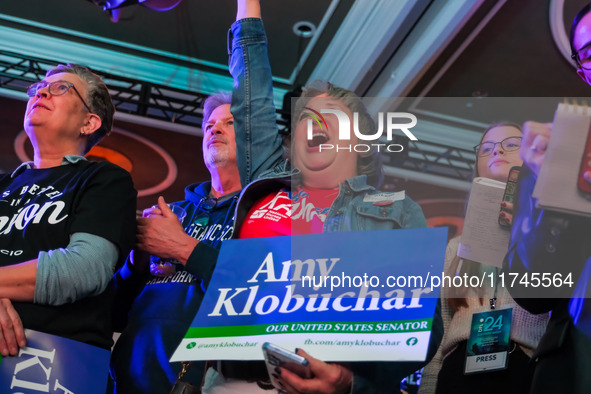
(87, 267)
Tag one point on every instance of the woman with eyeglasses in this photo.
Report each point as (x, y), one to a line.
(65, 222)
(496, 154)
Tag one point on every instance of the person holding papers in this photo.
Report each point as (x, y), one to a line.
(328, 191)
(548, 243)
(65, 222)
(496, 154)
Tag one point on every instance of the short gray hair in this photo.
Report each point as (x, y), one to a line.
(211, 103)
(97, 97)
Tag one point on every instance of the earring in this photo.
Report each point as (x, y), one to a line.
(82, 133)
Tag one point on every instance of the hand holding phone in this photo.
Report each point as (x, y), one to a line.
(276, 356)
(506, 214)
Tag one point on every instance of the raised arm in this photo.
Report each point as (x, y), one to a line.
(248, 9)
(543, 243)
(257, 140)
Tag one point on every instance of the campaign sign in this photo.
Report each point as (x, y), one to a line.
(347, 296)
(52, 364)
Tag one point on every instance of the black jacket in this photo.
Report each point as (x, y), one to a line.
(555, 246)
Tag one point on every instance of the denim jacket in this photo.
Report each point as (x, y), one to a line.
(259, 156)
(358, 206)
(362, 207)
(257, 139)
(259, 143)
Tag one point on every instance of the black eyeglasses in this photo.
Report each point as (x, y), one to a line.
(509, 144)
(56, 88)
(583, 57)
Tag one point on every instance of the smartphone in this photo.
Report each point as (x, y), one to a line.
(279, 357)
(509, 194)
(584, 186)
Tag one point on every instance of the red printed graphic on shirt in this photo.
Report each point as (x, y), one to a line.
(278, 214)
(269, 217)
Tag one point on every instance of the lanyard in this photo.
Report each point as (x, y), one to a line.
(493, 300)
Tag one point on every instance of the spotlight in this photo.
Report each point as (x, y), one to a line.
(160, 5)
(113, 6)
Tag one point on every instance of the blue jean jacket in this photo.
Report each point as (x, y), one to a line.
(257, 139)
(360, 206)
(356, 208)
(259, 143)
(259, 156)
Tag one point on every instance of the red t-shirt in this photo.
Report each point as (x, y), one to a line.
(285, 213)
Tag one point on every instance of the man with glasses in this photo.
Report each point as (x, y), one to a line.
(156, 311)
(546, 243)
(580, 43)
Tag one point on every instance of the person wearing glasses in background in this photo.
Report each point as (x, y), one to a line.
(496, 154)
(155, 312)
(65, 222)
(543, 241)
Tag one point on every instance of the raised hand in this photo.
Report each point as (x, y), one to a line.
(534, 144)
(162, 234)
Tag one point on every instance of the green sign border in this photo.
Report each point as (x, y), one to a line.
(318, 327)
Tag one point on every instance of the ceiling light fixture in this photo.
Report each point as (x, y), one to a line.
(304, 29)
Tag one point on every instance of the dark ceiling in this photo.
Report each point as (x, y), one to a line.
(471, 50)
(195, 29)
(514, 55)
